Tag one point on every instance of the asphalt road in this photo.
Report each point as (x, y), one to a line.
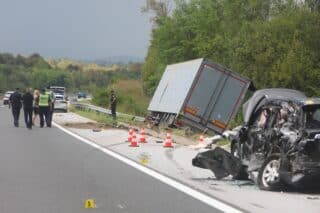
(46, 170)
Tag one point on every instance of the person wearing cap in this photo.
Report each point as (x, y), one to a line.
(15, 104)
(44, 108)
(28, 107)
(50, 113)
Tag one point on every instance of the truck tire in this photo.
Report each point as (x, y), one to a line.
(268, 176)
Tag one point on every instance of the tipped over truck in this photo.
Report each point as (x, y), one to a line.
(200, 94)
(277, 145)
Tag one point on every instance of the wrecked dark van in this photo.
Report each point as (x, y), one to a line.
(278, 144)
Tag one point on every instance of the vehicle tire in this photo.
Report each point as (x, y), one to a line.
(268, 176)
(235, 151)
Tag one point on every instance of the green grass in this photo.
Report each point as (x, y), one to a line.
(105, 119)
(223, 142)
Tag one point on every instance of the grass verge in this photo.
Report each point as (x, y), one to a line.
(105, 119)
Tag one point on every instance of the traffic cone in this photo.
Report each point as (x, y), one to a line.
(134, 140)
(201, 139)
(168, 142)
(143, 136)
(130, 135)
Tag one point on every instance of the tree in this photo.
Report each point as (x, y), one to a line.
(159, 8)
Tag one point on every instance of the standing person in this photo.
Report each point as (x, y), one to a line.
(44, 108)
(36, 96)
(27, 107)
(51, 108)
(15, 103)
(113, 102)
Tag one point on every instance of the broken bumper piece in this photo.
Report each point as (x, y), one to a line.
(219, 161)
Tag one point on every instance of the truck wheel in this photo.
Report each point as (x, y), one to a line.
(235, 151)
(268, 176)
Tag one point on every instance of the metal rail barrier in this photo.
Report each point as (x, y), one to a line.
(83, 106)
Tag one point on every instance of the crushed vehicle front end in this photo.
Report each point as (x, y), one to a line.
(300, 165)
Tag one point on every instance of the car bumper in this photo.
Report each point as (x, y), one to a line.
(61, 106)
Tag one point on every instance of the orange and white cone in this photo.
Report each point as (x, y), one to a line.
(130, 135)
(168, 142)
(201, 139)
(143, 136)
(134, 140)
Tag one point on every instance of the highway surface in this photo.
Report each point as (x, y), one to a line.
(46, 170)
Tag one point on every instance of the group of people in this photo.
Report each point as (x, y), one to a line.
(34, 103)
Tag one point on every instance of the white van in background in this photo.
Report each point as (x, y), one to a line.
(61, 99)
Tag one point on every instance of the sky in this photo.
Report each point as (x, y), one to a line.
(78, 29)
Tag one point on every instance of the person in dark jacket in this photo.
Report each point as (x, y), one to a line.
(28, 107)
(113, 102)
(15, 104)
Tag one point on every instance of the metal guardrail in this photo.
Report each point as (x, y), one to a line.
(102, 110)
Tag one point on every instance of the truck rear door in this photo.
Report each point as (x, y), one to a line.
(214, 98)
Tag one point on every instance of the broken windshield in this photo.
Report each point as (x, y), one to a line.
(312, 117)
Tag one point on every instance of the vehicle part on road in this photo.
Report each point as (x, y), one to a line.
(168, 142)
(142, 136)
(219, 161)
(198, 93)
(134, 140)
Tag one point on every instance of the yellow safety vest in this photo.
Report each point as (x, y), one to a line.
(44, 100)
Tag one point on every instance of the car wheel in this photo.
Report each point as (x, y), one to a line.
(235, 151)
(268, 177)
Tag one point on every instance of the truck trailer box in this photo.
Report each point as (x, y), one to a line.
(199, 93)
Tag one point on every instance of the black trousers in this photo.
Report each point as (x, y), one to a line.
(16, 115)
(28, 117)
(50, 114)
(44, 116)
(113, 112)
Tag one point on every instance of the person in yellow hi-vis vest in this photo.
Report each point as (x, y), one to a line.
(44, 108)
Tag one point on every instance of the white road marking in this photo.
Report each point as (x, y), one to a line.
(175, 184)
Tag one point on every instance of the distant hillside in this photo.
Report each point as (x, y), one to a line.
(70, 64)
(116, 60)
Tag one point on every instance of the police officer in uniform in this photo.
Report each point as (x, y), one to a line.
(44, 108)
(51, 108)
(15, 104)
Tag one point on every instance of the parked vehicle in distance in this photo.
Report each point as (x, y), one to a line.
(60, 103)
(61, 99)
(6, 97)
(82, 95)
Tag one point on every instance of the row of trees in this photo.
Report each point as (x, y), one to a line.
(34, 71)
(274, 42)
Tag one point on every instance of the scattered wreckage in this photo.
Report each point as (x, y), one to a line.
(278, 144)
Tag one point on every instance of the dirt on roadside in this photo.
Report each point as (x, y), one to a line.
(88, 125)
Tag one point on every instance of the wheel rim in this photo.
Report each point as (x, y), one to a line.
(270, 173)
